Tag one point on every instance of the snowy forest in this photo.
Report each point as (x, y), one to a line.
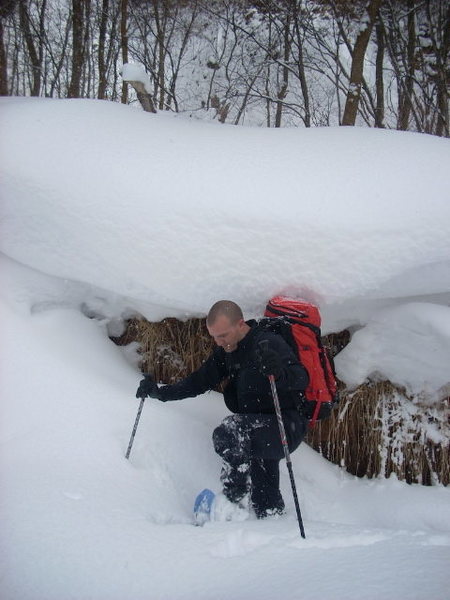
(306, 63)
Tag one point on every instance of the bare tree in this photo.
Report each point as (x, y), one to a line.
(108, 44)
(167, 28)
(6, 9)
(124, 44)
(436, 35)
(417, 35)
(57, 43)
(274, 68)
(379, 75)
(358, 54)
(102, 83)
(406, 88)
(80, 36)
(298, 43)
(34, 39)
(398, 22)
(3, 64)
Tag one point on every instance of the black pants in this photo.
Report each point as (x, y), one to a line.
(250, 446)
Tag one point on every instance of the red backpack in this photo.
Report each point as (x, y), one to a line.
(299, 324)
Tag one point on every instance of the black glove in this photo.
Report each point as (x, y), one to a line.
(148, 387)
(269, 362)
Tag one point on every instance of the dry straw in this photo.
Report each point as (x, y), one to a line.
(169, 349)
(376, 430)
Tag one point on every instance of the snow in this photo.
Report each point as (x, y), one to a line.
(418, 338)
(80, 521)
(106, 211)
(136, 72)
(331, 214)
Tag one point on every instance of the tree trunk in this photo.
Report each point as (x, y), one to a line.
(7, 8)
(359, 52)
(379, 109)
(3, 64)
(301, 66)
(285, 72)
(58, 64)
(161, 17)
(31, 48)
(78, 20)
(405, 103)
(124, 44)
(443, 124)
(441, 51)
(102, 83)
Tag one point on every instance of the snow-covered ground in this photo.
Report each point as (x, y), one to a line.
(106, 210)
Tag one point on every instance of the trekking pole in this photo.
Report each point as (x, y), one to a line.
(273, 387)
(133, 433)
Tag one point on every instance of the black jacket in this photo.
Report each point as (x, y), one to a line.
(247, 390)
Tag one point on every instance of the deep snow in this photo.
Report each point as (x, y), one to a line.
(79, 521)
(143, 206)
(105, 211)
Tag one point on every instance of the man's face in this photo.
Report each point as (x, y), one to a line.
(225, 334)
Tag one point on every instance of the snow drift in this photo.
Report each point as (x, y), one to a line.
(408, 345)
(344, 217)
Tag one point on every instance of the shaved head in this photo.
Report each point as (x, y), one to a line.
(225, 308)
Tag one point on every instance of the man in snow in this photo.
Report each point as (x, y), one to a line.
(248, 440)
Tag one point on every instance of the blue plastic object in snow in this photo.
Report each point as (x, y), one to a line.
(202, 506)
